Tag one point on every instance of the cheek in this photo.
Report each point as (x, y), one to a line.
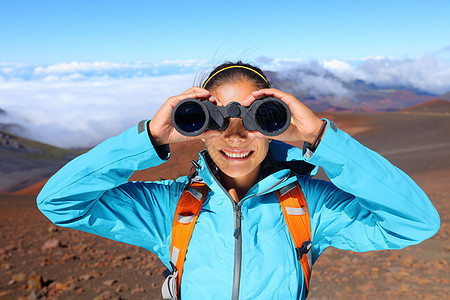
(211, 146)
(209, 143)
(263, 148)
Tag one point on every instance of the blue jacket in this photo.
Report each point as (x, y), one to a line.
(369, 205)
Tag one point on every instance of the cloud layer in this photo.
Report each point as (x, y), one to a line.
(82, 113)
(79, 104)
(100, 70)
(427, 73)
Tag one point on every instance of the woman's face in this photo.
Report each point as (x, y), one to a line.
(237, 152)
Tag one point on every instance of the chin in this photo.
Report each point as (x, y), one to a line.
(238, 169)
(236, 173)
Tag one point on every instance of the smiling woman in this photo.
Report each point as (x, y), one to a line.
(260, 219)
(238, 153)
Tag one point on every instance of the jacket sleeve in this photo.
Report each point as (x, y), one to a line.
(369, 204)
(91, 193)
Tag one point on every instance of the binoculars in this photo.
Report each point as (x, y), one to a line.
(270, 116)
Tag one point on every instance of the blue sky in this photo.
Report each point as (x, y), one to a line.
(47, 32)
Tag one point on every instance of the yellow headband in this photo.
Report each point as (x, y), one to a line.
(243, 67)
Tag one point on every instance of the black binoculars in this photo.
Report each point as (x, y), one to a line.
(270, 116)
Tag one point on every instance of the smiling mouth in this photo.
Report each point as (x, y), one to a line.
(236, 154)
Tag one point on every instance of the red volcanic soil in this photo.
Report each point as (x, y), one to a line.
(433, 106)
(394, 100)
(41, 261)
(31, 190)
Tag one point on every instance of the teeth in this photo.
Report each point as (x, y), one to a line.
(240, 154)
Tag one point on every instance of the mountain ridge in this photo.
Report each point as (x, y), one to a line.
(346, 94)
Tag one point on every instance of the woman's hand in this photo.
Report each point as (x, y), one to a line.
(161, 128)
(305, 125)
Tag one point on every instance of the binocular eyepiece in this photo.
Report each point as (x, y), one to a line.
(270, 116)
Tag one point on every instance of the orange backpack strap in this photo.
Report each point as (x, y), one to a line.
(186, 214)
(295, 211)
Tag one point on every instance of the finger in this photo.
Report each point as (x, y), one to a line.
(196, 95)
(195, 89)
(249, 100)
(289, 99)
(214, 100)
(252, 98)
(263, 93)
(200, 94)
(273, 93)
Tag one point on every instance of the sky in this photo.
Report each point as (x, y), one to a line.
(69, 66)
(46, 31)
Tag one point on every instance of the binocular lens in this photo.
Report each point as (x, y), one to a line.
(271, 116)
(190, 117)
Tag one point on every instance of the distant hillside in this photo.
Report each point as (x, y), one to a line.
(7, 126)
(24, 162)
(355, 95)
(434, 106)
(16, 144)
(445, 96)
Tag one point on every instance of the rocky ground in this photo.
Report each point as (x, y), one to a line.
(41, 261)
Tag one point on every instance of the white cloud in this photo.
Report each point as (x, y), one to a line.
(370, 57)
(281, 64)
(184, 63)
(335, 64)
(318, 83)
(311, 76)
(427, 73)
(83, 113)
(72, 67)
(73, 70)
(7, 70)
(51, 78)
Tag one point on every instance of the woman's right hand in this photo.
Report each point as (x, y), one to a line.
(161, 128)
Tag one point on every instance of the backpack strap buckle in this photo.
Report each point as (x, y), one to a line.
(304, 249)
(169, 287)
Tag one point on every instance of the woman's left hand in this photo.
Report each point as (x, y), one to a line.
(305, 125)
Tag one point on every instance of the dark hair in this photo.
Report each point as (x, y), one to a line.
(217, 77)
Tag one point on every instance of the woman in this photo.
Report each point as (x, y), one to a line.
(241, 246)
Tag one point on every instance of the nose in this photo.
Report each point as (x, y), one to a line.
(236, 132)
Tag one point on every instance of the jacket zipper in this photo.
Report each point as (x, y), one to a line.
(237, 250)
(238, 239)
